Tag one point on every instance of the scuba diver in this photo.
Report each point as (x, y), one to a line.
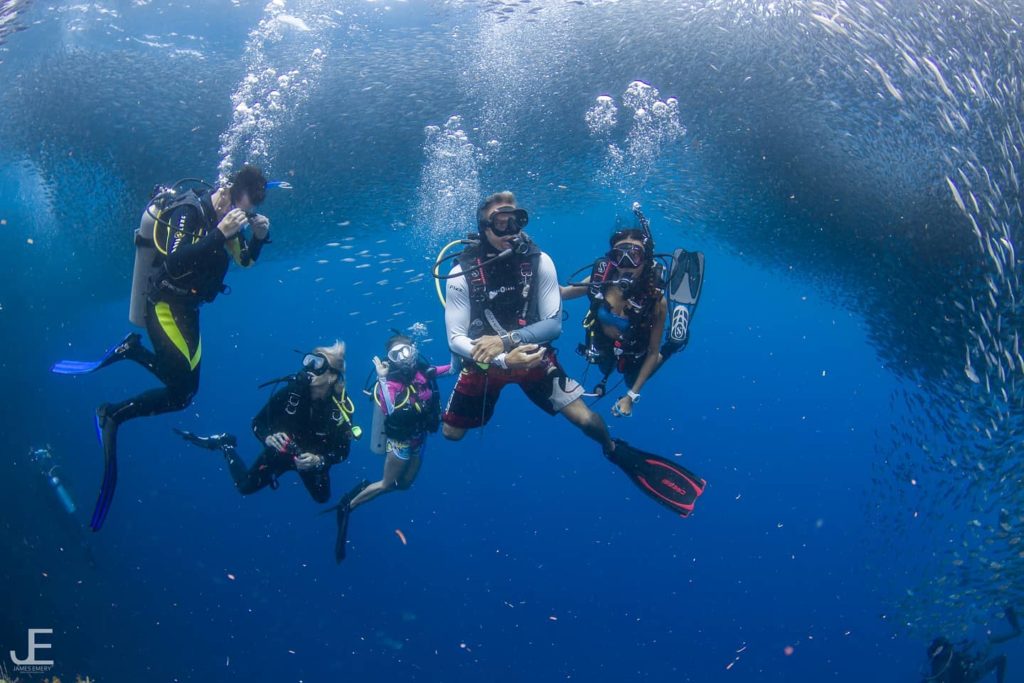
(306, 427)
(948, 663)
(51, 477)
(502, 312)
(630, 299)
(49, 469)
(185, 242)
(407, 408)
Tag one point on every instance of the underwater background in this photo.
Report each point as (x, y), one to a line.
(851, 391)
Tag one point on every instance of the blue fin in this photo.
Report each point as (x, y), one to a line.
(83, 367)
(109, 441)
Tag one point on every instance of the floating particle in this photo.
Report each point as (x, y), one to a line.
(30, 240)
(292, 270)
(401, 537)
(231, 577)
(730, 665)
(3, 221)
(788, 650)
(552, 618)
(323, 261)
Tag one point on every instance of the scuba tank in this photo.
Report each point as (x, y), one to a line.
(147, 267)
(48, 468)
(378, 440)
(151, 247)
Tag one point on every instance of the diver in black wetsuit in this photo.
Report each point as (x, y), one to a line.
(305, 427)
(948, 663)
(195, 236)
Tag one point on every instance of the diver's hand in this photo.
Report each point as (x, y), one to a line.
(260, 226)
(279, 442)
(381, 366)
(308, 461)
(525, 356)
(232, 223)
(486, 349)
(623, 407)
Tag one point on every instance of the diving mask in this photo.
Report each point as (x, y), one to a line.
(315, 364)
(402, 356)
(627, 256)
(507, 220)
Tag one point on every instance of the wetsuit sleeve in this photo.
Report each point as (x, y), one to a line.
(247, 257)
(263, 423)
(549, 305)
(256, 246)
(188, 257)
(456, 314)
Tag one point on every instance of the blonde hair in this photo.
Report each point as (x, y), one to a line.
(503, 197)
(335, 355)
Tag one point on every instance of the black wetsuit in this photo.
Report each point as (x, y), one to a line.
(319, 426)
(192, 274)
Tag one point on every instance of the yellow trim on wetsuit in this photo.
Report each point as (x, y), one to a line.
(170, 327)
(235, 249)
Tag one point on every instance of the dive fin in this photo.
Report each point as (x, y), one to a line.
(213, 442)
(685, 283)
(342, 540)
(687, 277)
(82, 367)
(106, 429)
(344, 509)
(668, 483)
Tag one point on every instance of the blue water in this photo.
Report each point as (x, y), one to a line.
(528, 556)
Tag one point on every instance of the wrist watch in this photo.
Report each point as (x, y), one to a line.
(506, 341)
(633, 396)
(516, 337)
